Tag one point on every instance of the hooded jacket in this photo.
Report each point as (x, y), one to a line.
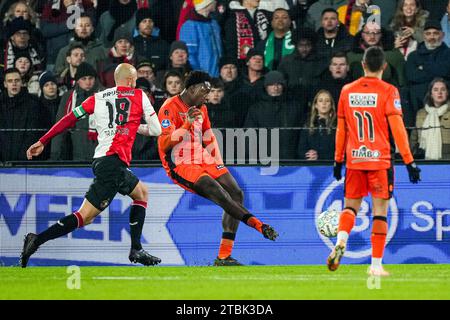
(204, 42)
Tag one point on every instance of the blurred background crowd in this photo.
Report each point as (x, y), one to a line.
(276, 64)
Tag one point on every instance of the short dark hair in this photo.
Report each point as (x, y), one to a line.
(196, 77)
(217, 83)
(11, 70)
(339, 54)
(282, 9)
(374, 58)
(328, 10)
(76, 46)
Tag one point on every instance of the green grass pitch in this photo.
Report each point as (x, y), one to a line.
(223, 283)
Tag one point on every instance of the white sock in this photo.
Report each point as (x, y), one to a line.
(342, 236)
(376, 262)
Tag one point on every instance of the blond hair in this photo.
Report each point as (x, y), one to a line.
(331, 117)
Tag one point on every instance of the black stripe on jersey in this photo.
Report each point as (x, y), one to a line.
(175, 176)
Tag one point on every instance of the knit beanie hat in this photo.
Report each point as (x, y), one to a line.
(178, 45)
(274, 77)
(45, 77)
(201, 4)
(143, 14)
(85, 70)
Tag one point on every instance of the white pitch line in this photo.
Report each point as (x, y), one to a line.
(271, 278)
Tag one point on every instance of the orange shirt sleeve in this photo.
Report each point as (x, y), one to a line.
(170, 135)
(341, 136)
(401, 137)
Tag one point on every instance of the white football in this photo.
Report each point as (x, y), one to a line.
(327, 223)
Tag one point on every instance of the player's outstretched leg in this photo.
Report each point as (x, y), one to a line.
(346, 223)
(137, 219)
(378, 239)
(210, 189)
(82, 217)
(230, 225)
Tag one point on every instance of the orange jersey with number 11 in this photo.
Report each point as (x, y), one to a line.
(365, 105)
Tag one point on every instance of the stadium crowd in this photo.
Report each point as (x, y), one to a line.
(276, 64)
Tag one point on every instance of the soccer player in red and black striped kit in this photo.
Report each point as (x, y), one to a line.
(117, 113)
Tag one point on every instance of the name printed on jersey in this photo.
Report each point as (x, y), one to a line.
(361, 100)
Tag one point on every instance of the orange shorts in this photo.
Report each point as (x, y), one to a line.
(358, 183)
(186, 175)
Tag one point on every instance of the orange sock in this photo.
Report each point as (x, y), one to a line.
(346, 220)
(253, 222)
(226, 246)
(378, 238)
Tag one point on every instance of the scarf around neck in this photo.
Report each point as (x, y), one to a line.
(286, 48)
(431, 136)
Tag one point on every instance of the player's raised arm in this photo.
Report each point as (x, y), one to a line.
(68, 121)
(152, 128)
(171, 136)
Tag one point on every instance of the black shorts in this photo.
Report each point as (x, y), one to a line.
(112, 175)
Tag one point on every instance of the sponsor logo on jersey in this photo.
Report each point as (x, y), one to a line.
(363, 100)
(397, 104)
(364, 152)
(165, 123)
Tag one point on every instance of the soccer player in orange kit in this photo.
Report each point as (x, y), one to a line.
(190, 155)
(369, 114)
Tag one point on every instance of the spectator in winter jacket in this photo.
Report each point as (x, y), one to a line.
(336, 77)
(19, 42)
(148, 46)
(253, 76)
(279, 42)
(445, 24)
(22, 62)
(121, 52)
(430, 60)
(407, 25)
(220, 112)
(245, 27)
(316, 9)
(277, 109)
(83, 36)
(74, 57)
(121, 14)
(303, 67)
(202, 36)
(332, 36)
(317, 142)
(372, 35)
(18, 110)
(78, 144)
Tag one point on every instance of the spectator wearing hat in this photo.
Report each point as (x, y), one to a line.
(246, 26)
(78, 144)
(148, 46)
(18, 35)
(303, 67)
(178, 61)
(202, 36)
(234, 91)
(83, 35)
(430, 60)
(277, 109)
(121, 52)
(22, 62)
(74, 57)
(22, 9)
(18, 110)
(121, 15)
(146, 69)
(253, 75)
(49, 101)
(279, 42)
